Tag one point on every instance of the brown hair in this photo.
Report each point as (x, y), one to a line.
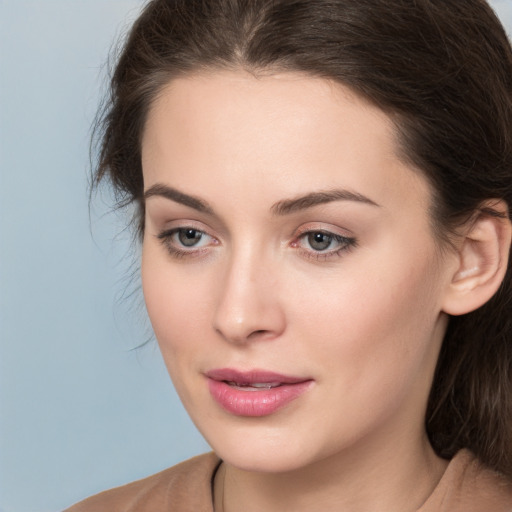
(442, 69)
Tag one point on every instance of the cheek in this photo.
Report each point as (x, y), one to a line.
(178, 311)
(176, 304)
(376, 328)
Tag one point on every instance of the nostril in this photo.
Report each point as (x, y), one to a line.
(258, 334)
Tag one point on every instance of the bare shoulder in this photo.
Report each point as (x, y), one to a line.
(491, 490)
(470, 486)
(186, 486)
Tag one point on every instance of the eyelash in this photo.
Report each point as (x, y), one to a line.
(166, 237)
(345, 244)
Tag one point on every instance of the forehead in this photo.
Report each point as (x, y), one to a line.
(280, 134)
(237, 104)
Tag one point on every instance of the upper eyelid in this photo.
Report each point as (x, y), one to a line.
(332, 234)
(178, 250)
(322, 227)
(165, 237)
(335, 236)
(298, 232)
(168, 222)
(301, 231)
(164, 233)
(174, 225)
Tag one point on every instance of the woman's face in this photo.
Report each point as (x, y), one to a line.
(289, 268)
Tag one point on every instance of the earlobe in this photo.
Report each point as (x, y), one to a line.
(482, 260)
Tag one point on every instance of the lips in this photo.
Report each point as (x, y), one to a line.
(254, 393)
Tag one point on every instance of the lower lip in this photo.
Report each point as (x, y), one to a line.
(255, 402)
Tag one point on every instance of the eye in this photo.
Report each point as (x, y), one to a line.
(322, 244)
(319, 241)
(186, 241)
(189, 237)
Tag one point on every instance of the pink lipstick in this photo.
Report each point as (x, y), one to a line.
(254, 393)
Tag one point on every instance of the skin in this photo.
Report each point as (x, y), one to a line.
(364, 320)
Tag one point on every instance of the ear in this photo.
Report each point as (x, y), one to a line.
(482, 256)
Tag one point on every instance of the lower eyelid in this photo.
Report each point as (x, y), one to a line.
(345, 244)
(167, 233)
(328, 255)
(178, 251)
(335, 236)
(165, 237)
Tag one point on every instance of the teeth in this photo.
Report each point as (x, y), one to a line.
(267, 385)
(258, 385)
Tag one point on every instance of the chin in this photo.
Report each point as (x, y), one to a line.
(259, 461)
(262, 450)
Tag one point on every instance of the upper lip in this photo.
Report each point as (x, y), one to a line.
(252, 376)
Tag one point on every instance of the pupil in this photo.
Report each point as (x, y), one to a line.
(319, 241)
(189, 237)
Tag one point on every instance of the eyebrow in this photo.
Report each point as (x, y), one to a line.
(284, 207)
(288, 206)
(178, 197)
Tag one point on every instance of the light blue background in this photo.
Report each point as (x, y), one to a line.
(79, 410)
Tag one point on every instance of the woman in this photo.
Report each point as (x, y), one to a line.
(323, 192)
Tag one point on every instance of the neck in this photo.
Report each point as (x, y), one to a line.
(362, 480)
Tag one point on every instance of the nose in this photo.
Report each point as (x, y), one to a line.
(248, 307)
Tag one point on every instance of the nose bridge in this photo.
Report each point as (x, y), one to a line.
(248, 306)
